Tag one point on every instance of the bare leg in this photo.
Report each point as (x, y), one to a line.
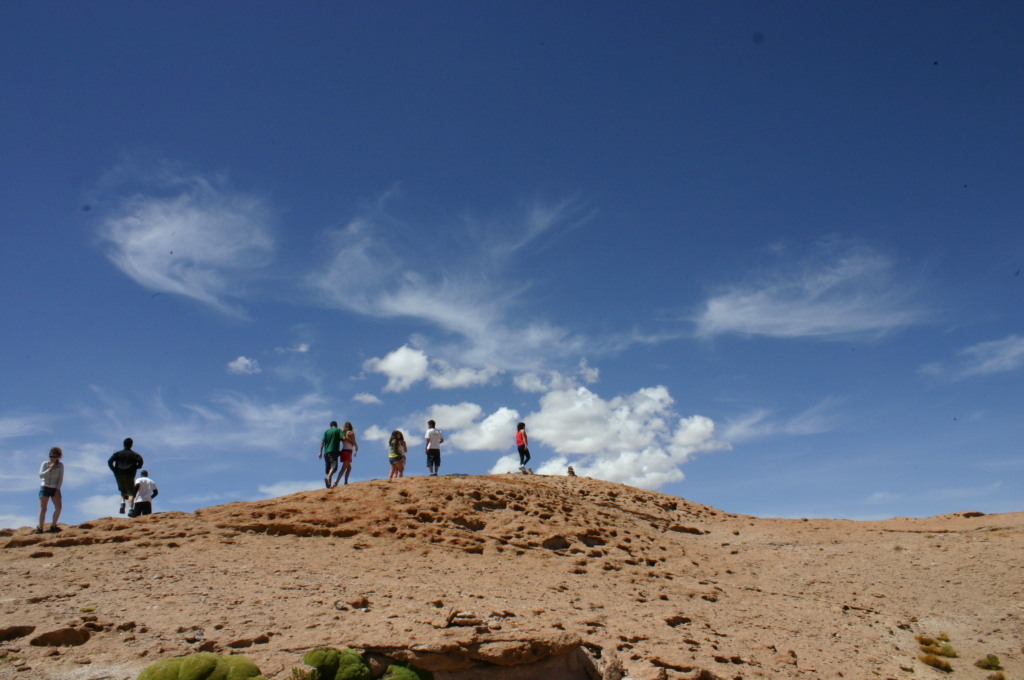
(42, 510)
(57, 505)
(347, 469)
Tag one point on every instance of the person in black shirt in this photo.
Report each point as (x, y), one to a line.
(123, 464)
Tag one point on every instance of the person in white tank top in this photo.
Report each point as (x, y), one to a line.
(145, 492)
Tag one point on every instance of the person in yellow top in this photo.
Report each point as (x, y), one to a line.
(349, 448)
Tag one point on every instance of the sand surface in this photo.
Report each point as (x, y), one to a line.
(483, 576)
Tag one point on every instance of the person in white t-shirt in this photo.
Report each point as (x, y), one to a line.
(433, 446)
(145, 492)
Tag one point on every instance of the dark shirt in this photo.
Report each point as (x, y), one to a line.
(124, 460)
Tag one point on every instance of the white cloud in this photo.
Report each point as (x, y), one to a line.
(403, 367)
(556, 380)
(288, 488)
(18, 521)
(758, 423)
(844, 292)
(984, 358)
(455, 286)
(23, 426)
(376, 434)
(530, 382)
(634, 439)
(300, 348)
(244, 366)
(454, 417)
(366, 398)
(198, 242)
(509, 463)
(406, 366)
(444, 376)
(95, 507)
(490, 434)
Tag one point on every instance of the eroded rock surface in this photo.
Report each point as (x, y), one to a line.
(510, 577)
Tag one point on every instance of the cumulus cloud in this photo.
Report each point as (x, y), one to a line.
(454, 417)
(366, 398)
(94, 507)
(288, 488)
(490, 434)
(403, 367)
(841, 292)
(244, 366)
(406, 366)
(376, 434)
(17, 521)
(984, 358)
(635, 439)
(191, 236)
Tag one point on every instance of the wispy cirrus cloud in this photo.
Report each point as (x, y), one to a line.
(984, 358)
(190, 235)
(458, 287)
(23, 426)
(244, 366)
(759, 423)
(840, 291)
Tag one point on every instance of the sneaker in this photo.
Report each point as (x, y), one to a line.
(121, 511)
(327, 482)
(39, 530)
(55, 529)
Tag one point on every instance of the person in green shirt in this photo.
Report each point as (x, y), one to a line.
(331, 446)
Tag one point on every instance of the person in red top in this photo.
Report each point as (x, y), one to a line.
(522, 443)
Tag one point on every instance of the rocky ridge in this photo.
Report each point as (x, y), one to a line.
(513, 576)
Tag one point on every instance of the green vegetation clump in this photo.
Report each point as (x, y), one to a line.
(406, 671)
(337, 664)
(305, 674)
(996, 676)
(203, 666)
(943, 637)
(989, 663)
(935, 662)
(926, 641)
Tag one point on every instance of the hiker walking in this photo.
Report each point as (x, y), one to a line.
(51, 474)
(123, 464)
(349, 448)
(397, 448)
(523, 444)
(330, 446)
(433, 447)
(145, 492)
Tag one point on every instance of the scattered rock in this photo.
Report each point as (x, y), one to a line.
(62, 637)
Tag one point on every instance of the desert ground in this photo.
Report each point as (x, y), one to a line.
(514, 576)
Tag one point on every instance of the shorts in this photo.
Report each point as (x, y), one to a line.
(433, 457)
(330, 461)
(346, 456)
(142, 508)
(396, 461)
(125, 482)
(49, 492)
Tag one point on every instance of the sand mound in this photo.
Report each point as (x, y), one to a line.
(513, 576)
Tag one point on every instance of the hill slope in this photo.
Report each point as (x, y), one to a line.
(535, 565)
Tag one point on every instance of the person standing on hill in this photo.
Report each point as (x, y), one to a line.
(331, 446)
(123, 464)
(433, 447)
(145, 492)
(397, 449)
(523, 444)
(349, 448)
(51, 474)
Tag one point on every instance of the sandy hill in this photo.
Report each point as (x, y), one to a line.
(514, 576)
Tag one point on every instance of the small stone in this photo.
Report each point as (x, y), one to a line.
(358, 602)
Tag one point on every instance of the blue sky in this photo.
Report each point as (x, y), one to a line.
(763, 257)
